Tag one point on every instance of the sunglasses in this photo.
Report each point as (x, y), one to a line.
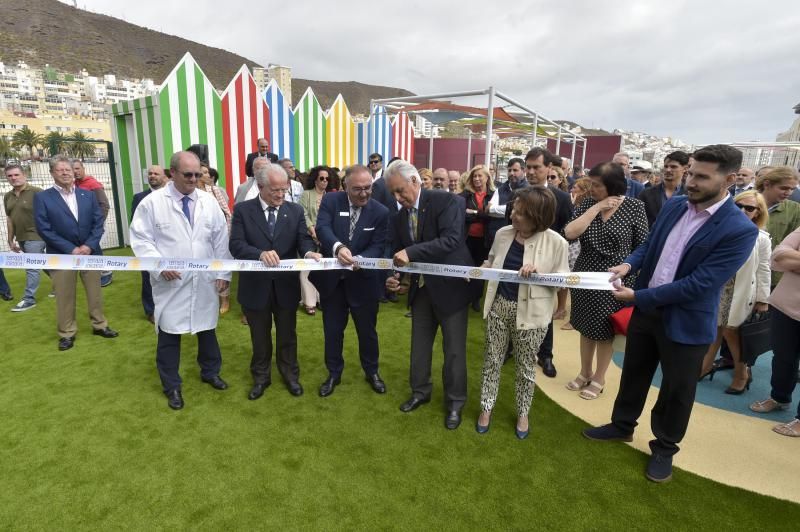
(322, 178)
(189, 175)
(374, 162)
(552, 177)
(748, 208)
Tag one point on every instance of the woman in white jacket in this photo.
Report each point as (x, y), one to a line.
(745, 293)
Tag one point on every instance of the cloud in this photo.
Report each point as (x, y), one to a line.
(703, 72)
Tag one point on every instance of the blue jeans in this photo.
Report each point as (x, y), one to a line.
(32, 276)
(4, 288)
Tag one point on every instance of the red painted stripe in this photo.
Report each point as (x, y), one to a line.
(240, 129)
(267, 128)
(253, 113)
(226, 139)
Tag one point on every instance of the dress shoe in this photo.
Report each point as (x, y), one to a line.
(151, 319)
(257, 390)
(66, 343)
(607, 433)
(105, 333)
(659, 468)
(452, 420)
(376, 383)
(295, 388)
(482, 429)
(723, 363)
(7, 296)
(413, 404)
(547, 367)
(521, 434)
(327, 387)
(216, 382)
(174, 399)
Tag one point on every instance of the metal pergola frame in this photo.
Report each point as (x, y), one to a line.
(492, 93)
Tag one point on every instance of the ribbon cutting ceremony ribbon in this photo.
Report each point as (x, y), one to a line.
(587, 280)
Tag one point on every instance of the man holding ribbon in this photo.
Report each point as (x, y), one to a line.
(430, 228)
(351, 224)
(179, 221)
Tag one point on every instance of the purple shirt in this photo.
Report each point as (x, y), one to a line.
(675, 245)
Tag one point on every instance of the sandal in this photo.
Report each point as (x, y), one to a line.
(578, 382)
(592, 391)
(791, 429)
(559, 315)
(768, 405)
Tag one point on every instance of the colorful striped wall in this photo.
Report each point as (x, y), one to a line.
(342, 144)
(379, 133)
(281, 121)
(403, 137)
(310, 125)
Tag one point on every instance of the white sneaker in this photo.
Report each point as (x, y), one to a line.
(23, 305)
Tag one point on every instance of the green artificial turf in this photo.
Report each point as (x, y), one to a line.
(87, 441)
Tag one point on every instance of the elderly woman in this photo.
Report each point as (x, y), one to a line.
(520, 312)
(478, 191)
(785, 320)
(315, 187)
(745, 293)
(207, 183)
(609, 226)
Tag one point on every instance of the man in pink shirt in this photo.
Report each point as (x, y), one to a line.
(696, 244)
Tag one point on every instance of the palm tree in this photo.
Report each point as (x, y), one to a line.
(27, 138)
(6, 151)
(56, 143)
(80, 146)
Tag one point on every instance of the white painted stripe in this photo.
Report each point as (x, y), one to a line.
(174, 115)
(148, 156)
(260, 131)
(159, 134)
(234, 141)
(191, 97)
(210, 96)
(246, 125)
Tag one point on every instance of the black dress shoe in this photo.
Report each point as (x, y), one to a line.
(476, 306)
(216, 382)
(547, 367)
(327, 387)
(452, 420)
(174, 399)
(106, 333)
(377, 383)
(66, 343)
(295, 388)
(413, 404)
(257, 390)
(7, 296)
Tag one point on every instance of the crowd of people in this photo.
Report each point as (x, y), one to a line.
(695, 249)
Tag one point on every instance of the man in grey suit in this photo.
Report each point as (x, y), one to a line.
(429, 228)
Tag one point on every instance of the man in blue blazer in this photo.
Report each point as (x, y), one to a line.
(698, 242)
(70, 222)
(351, 224)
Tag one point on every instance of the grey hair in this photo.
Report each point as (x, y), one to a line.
(622, 154)
(261, 175)
(402, 168)
(59, 159)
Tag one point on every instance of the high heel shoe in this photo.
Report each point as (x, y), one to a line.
(709, 374)
(730, 390)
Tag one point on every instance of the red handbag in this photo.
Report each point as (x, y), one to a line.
(620, 320)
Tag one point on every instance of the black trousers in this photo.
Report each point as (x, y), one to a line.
(260, 323)
(425, 321)
(168, 357)
(785, 356)
(648, 346)
(479, 253)
(335, 311)
(147, 295)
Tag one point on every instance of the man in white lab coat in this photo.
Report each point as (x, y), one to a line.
(179, 221)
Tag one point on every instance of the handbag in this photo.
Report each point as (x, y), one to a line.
(620, 320)
(755, 336)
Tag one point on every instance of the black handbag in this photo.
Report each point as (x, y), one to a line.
(755, 336)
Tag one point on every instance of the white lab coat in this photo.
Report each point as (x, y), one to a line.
(160, 229)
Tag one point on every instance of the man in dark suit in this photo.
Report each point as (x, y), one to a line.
(269, 229)
(263, 151)
(70, 222)
(156, 178)
(698, 242)
(351, 224)
(430, 228)
(675, 165)
(538, 162)
(634, 187)
(745, 180)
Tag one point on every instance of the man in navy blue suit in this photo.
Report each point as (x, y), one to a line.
(70, 222)
(697, 243)
(351, 224)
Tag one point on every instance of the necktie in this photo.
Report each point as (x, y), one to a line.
(355, 212)
(271, 221)
(412, 223)
(185, 208)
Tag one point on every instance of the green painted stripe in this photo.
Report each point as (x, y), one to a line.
(306, 112)
(183, 106)
(124, 158)
(218, 141)
(200, 95)
(166, 124)
(151, 123)
(125, 107)
(137, 117)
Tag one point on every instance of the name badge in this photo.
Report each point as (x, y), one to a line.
(369, 229)
(344, 213)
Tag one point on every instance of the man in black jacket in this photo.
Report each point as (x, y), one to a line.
(269, 229)
(263, 151)
(430, 228)
(675, 165)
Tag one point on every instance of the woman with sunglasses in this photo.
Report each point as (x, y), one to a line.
(745, 293)
(555, 178)
(317, 185)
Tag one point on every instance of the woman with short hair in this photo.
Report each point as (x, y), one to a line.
(316, 185)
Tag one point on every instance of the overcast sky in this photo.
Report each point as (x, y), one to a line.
(703, 72)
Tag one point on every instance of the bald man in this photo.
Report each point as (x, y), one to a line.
(440, 179)
(263, 151)
(156, 178)
(453, 177)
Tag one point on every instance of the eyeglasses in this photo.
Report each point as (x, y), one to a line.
(552, 177)
(277, 190)
(361, 190)
(189, 175)
(322, 178)
(748, 208)
(376, 161)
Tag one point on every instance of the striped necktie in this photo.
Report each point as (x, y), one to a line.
(355, 212)
(412, 223)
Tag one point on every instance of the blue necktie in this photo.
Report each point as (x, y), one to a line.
(185, 208)
(271, 221)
